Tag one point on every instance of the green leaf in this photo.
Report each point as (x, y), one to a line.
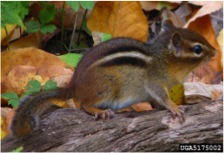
(87, 4)
(85, 28)
(25, 94)
(50, 85)
(9, 95)
(33, 86)
(32, 26)
(24, 8)
(13, 12)
(73, 4)
(47, 28)
(47, 14)
(71, 59)
(106, 36)
(14, 102)
(19, 149)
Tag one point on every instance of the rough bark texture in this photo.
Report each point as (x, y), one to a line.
(74, 130)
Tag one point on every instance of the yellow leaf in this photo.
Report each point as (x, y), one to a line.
(3, 133)
(10, 28)
(120, 19)
(177, 94)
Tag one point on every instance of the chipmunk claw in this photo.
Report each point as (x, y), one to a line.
(178, 113)
(106, 114)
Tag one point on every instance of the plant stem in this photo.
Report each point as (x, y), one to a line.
(79, 33)
(73, 32)
(62, 25)
(7, 38)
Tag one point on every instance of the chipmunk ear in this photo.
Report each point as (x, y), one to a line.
(176, 43)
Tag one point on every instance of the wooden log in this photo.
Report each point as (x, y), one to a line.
(73, 130)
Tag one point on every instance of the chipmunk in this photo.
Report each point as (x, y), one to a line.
(121, 72)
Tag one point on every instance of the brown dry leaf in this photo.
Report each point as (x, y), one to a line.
(204, 27)
(206, 9)
(31, 40)
(6, 117)
(220, 41)
(17, 79)
(62, 80)
(150, 5)
(144, 106)
(167, 14)
(27, 56)
(183, 12)
(198, 88)
(120, 19)
(53, 71)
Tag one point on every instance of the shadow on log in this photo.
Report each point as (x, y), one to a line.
(73, 130)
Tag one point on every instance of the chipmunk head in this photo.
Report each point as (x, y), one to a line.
(187, 45)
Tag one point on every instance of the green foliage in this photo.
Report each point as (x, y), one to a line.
(76, 4)
(19, 149)
(13, 12)
(71, 59)
(47, 28)
(106, 36)
(46, 15)
(9, 95)
(50, 85)
(32, 87)
(87, 4)
(32, 26)
(85, 28)
(12, 98)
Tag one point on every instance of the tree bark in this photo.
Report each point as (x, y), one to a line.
(73, 130)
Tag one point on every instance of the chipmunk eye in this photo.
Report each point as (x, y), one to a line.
(197, 49)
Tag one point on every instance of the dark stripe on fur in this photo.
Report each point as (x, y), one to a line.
(133, 61)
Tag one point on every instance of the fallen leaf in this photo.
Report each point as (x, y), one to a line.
(183, 11)
(206, 9)
(198, 88)
(18, 78)
(204, 27)
(167, 14)
(143, 106)
(176, 94)
(6, 117)
(120, 19)
(220, 41)
(13, 32)
(27, 56)
(31, 40)
(62, 79)
(53, 71)
(150, 5)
